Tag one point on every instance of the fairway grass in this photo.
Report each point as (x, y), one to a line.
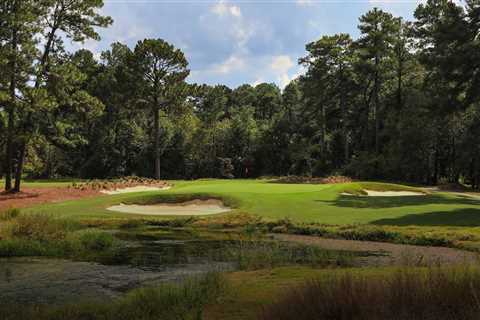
(437, 219)
(298, 202)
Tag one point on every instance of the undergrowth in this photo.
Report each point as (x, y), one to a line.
(407, 294)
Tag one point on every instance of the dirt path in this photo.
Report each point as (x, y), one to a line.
(388, 254)
(32, 196)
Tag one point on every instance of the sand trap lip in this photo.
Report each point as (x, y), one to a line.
(189, 208)
(134, 189)
(371, 193)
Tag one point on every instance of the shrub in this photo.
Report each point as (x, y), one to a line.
(89, 240)
(408, 294)
(40, 227)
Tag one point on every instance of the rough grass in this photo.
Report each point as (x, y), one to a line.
(184, 301)
(250, 291)
(258, 254)
(431, 294)
(46, 235)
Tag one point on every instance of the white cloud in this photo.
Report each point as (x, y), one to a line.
(222, 8)
(304, 2)
(233, 63)
(281, 65)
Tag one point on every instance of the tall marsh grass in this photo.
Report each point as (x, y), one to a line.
(45, 235)
(407, 294)
(258, 254)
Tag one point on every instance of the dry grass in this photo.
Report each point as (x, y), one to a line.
(408, 294)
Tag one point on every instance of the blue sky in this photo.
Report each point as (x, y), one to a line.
(235, 42)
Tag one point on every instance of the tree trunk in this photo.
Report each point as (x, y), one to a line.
(399, 84)
(376, 107)
(9, 151)
(156, 124)
(11, 109)
(324, 131)
(343, 108)
(38, 80)
(18, 173)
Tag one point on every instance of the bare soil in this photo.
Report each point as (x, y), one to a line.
(33, 196)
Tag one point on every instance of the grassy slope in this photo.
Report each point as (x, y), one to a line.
(308, 203)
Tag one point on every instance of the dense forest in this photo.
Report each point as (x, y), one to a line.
(400, 102)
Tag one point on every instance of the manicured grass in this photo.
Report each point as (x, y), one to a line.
(298, 202)
(43, 183)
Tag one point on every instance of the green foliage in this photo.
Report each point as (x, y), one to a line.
(356, 110)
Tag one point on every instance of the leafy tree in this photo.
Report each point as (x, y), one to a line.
(161, 70)
(18, 25)
(74, 19)
(375, 45)
(330, 74)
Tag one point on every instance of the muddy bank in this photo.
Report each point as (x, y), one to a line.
(390, 254)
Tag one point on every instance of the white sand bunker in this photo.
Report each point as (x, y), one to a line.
(134, 189)
(189, 208)
(371, 193)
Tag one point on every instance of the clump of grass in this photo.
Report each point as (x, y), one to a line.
(27, 248)
(256, 254)
(40, 227)
(9, 214)
(45, 235)
(131, 224)
(90, 240)
(411, 294)
(184, 301)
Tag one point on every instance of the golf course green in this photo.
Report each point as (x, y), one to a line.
(323, 203)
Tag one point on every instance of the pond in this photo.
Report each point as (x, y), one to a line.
(148, 257)
(141, 261)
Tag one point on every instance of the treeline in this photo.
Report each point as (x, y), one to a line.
(401, 102)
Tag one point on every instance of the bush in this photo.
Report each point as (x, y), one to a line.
(94, 240)
(40, 227)
(408, 294)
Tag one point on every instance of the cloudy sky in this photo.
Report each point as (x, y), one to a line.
(243, 41)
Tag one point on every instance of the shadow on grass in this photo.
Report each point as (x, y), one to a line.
(456, 218)
(395, 202)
